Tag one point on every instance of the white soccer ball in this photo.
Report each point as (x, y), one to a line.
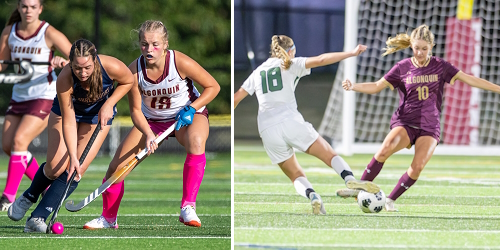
(371, 203)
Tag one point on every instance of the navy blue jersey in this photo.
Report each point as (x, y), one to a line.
(87, 111)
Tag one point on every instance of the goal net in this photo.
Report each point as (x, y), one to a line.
(467, 34)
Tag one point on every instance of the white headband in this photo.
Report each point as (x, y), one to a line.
(293, 47)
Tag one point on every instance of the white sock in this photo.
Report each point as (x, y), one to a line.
(342, 168)
(301, 184)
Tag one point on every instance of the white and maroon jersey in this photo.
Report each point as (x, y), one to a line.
(33, 48)
(164, 97)
(275, 90)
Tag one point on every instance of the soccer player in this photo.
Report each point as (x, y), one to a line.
(164, 90)
(420, 82)
(86, 95)
(280, 124)
(26, 37)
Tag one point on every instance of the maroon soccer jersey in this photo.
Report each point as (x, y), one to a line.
(420, 91)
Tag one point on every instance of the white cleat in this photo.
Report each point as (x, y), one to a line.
(367, 186)
(389, 205)
(347, 192)
(188, 217)
(35, 225)
(19, 208)
(5, 203)
(317, 204)
(100, 223)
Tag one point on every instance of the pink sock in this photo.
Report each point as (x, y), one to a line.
(17, 167)
(32, 168)
(111, 199)
(194, 168)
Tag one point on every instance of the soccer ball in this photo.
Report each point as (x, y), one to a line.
(371, 203)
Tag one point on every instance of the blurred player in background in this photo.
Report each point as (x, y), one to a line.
(85, 96)
(420, 81)
(163, 93)
(26, 37)
(282, 127)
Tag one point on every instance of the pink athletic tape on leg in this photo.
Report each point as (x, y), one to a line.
(17, 166)
(32, 168)
(111, 199)
(194, 169)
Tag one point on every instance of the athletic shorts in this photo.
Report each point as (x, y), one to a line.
(160, 127)
(38, 107)
(415, 133)
(80, 116)
(280, 139)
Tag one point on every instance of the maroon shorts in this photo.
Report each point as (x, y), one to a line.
(38, 107)
(415, 133)
(160, 127)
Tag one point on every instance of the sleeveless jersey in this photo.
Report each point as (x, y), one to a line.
(275, 90)
(164, 97)
(33, 48)
(86, 110)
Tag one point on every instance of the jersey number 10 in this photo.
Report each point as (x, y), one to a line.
(271, 80)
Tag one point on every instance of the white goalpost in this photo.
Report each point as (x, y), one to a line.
(467, 34)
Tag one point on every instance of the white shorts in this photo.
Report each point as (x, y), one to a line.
(280, 139)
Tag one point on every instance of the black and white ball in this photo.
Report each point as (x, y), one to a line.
(371, 203)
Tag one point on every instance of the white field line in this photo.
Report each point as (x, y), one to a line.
(140, 226)
(356, 204)
(396, 215)
(496, 184)
(406, 195)
(135, 215)
(364, 246)
(403, 230)
(118, 237)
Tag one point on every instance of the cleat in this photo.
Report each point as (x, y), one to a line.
(5, 203)
(35, 225)
(317, 204)
(347, 192)
(367, 186)
(389, 205)
(100, 223)
(188, 217)
(19, 208)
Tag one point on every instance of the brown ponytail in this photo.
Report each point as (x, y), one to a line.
(279, 46)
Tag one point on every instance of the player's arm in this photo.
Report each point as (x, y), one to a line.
(4, 47)
(120, 73)
(332, 57)
(56, 40)
(239, 95)
(134, 103)
(64, 86)
(477, 82)
(191, 69)
(366, 87)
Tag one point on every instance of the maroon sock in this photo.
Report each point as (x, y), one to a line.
(372, 170)
(404, 183)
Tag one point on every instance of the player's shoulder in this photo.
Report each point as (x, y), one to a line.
(6, 30)
(133, 65)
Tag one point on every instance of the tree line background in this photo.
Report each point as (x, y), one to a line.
(200, 29)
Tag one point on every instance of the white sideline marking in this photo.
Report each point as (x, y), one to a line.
(365, 246)
(356, 204)
(406, 195)
(367, 229)
(387, 214)
(135, 215)
(486, 184)
(117, 237)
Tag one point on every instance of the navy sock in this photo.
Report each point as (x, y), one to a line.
(38, 185)
(51, 199)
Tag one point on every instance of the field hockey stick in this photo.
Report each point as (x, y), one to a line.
(82, 158)
(70, 205)
(18, 78)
